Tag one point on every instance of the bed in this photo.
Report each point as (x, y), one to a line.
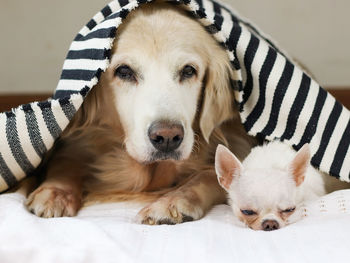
(108, 233)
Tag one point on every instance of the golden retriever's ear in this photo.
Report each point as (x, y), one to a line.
(218, 95)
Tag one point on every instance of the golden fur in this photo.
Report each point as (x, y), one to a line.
(90, 161)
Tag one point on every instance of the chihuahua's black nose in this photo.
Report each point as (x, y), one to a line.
(269, 225)
(166, 136)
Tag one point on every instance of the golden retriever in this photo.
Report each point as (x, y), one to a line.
(149, 129)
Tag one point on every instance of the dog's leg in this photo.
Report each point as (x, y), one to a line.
(61, 192)
(188, 202)
(67, 165)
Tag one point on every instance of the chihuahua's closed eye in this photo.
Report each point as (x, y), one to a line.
(270, 184)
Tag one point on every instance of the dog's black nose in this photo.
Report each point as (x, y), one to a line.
(166, 136)
(269, 225)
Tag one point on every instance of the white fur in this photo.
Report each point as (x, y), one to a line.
(274, 160)
(266, 185)
(157, 96)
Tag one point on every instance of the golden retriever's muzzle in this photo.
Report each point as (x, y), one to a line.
(166, 137)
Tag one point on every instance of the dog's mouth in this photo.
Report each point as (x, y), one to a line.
(162, 156)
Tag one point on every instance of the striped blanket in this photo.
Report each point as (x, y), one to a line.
(276, 99)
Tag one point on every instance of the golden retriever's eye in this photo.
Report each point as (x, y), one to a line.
(289, 210)
(124, 72)
(187, 72)
(248, 212)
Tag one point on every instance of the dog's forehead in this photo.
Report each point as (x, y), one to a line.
(157, 33)
(265, 188)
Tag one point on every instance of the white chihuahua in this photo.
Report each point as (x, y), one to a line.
(270, 184)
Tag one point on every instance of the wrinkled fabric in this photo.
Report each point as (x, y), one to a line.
(108, 233)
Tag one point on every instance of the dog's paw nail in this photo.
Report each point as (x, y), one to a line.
(166, 221)
(186, 218)
(150, 221)
(173, 212)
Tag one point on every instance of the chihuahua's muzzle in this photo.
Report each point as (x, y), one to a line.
(269, 225)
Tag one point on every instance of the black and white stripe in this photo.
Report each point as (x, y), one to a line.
(276, 99)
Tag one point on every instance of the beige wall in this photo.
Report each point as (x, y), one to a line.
(34, 39)
(35, 36)
(316, 32)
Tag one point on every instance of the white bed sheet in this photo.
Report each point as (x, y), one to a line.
(107, 233)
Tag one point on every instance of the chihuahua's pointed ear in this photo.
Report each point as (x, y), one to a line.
(218, 96)
(226, 166)
(299, 164)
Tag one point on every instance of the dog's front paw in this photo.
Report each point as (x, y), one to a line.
(170, 210)
(53, 202)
